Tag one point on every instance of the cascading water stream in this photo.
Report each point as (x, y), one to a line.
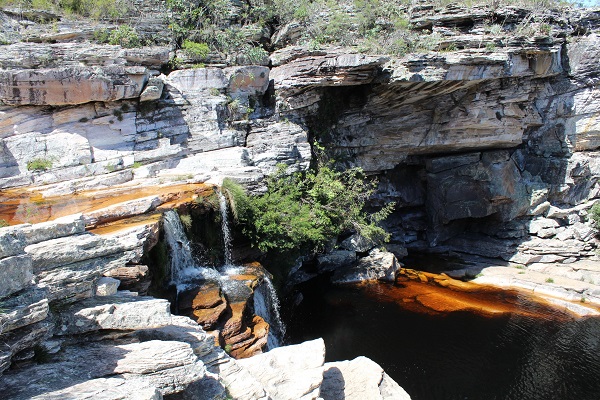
(266, 302)
(266, 305)
(225, 228)
(184, 268)
(185, 271)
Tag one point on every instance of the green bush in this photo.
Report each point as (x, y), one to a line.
(125, 36)
(96, 8)
(3, 223)
(594, 215)
(186, 220)
(195, 50)
(308, 210)
(39, 164)
(255, 55)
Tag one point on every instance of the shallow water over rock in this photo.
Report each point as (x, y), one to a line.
(447, 343)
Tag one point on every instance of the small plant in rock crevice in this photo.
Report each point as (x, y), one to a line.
(186, 221)
(39, 164)
(125, 36)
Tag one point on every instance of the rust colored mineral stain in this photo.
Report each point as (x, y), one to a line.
(436, 294)
(128, 223)
(20, 205)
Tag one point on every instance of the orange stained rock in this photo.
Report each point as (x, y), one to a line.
(28, 205)
(247, 345)
(434, 294)
(128, 223)
(208, 298)
(235, 322)
(208, 317)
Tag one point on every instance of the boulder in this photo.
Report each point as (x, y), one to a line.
(359, 379)
(113, 312)
(153, 90)
(358, 243)
(291, 372)
(336, 259)
(107, 286)
(378, 265)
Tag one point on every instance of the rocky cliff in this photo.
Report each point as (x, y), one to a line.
(488, 145)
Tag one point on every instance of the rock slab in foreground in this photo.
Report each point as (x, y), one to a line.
(359, 379)
(105, 389)
(170, 367)
(291, 372)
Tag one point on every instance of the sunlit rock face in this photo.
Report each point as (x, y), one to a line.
(463, 141)
(488, 146)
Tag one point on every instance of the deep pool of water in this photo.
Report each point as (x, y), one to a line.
(520, 351)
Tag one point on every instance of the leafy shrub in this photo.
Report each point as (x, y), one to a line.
(594, 215)
(3, 223)
(96, 8)
(195, 50)
(125, 36)
(549, 280)
(307, 210)
(255, 55)
(39, 164)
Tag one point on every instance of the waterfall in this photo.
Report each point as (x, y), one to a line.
(183, 266)
(185, 271)
(225, 228)
(266, 305)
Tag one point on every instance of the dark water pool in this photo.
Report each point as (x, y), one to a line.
(527, 352)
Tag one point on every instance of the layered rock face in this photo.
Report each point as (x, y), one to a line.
(78, 122)
(478, 146)
(483, 137)
(489, 149)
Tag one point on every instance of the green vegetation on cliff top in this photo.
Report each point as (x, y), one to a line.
(242, 32)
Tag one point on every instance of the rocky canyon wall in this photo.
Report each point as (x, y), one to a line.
(489, 147)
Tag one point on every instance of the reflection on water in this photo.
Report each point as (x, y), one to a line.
(523, 350)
